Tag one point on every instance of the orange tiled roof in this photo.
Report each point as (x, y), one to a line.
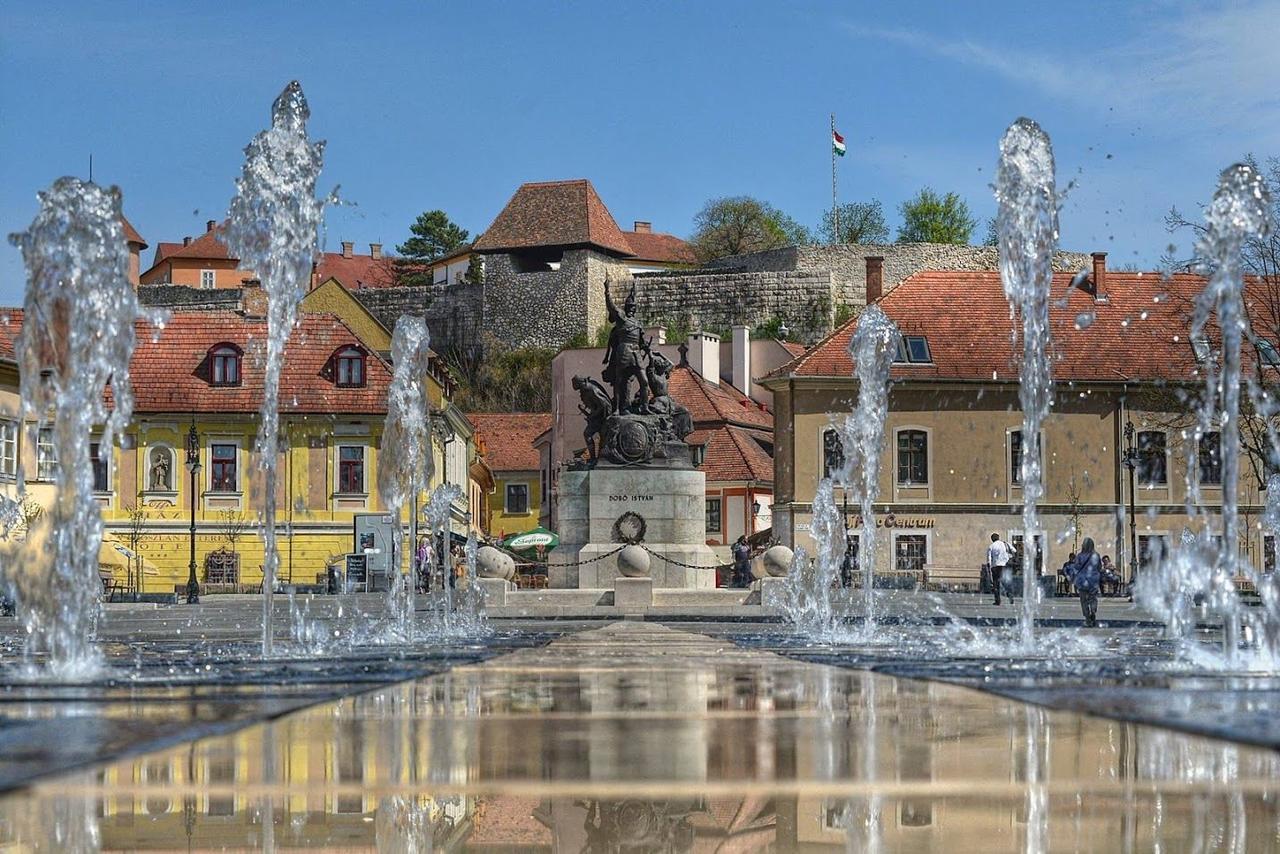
(734, 454)
(131, 234)
(10, 326)
(711, 404)
(508, 438)
(170, 373)
(1140, 333)
(554, 213)
(358, 271)
(662, 248)
(208, 246)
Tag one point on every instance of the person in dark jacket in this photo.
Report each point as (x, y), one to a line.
(1087, 574)
(741, 563)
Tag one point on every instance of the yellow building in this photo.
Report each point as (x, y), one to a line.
(951, 460)
(26, 473)
(506, 441)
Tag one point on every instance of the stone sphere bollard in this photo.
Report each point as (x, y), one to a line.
(777, 561)
(508, 566)
(492, 563)
(633, 561)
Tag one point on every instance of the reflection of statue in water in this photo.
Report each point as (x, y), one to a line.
(160, 470)
(595, 407)
(659, 376)
(613, 827)
(622, 356)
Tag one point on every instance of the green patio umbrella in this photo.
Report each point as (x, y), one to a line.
(531, 540)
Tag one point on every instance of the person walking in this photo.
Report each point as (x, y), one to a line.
(741, 563)
(1087, 575)
(999, 553)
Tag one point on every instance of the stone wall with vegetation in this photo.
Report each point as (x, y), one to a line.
(547, 308)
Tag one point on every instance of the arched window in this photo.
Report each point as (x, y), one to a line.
(349, 367)
(224, 365)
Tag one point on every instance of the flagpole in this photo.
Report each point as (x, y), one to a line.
(835, 209)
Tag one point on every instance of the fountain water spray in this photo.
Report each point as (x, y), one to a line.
(438, 512)
(1240, 211)
(810, 585)
(872, 349)
(273, 228)
(77, 335)
(405, 463)
(1027, 224)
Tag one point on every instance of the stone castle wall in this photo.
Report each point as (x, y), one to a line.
(717, 299)
(548, 307)
(847, 262)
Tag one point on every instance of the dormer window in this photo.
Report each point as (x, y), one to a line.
(1267, 353)
(913, 350)
(349, 367)
(224, 365)
(1200, 348)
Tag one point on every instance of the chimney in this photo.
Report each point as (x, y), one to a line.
(348, 248)
(186, 241)
(741, 376)
(375, 249)
(875, 278)
(208, 226)
(1100, 277)
(642, 227)
(704, 355)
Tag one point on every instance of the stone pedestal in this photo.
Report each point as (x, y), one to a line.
(665, 507)
(633, 594)
(495, 591)
(773, 592)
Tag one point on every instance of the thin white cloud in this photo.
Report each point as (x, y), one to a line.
(1202, 69)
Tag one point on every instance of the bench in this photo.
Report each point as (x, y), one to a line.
(109, 584)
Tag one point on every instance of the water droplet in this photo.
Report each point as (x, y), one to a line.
(1085, 319)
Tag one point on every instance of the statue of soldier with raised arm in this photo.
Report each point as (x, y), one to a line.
(622, 356)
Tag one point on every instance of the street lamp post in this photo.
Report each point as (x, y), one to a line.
(1130, 462)
(193, 466)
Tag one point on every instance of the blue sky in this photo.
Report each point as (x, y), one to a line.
(661, 105)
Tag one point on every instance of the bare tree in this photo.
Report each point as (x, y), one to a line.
(134, 535)
(1073, 501)
(232, 526)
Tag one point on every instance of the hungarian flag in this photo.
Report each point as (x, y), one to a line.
(837, 143)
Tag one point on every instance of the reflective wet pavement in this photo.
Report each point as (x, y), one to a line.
(638, 737)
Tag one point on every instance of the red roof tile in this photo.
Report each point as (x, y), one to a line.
(10, 326)
(554, 213)
(735, 454)
(131, 234)
(662, 248)
(508, 438)
(358, 271)
(712, 405)
(170, 367)
(1140, 333)
(207, 246)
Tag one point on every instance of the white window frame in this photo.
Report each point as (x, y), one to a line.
(1008, 457)
(208, 479)
(337, 469)
(719, 500)
(1168, 452)
(913, 532)
(1194, 444)
(822, 447)
(506, 498)
(9, 431)
(44, 439)
(97, 440)
(1045, 544)
(211, 276)
(929, 449)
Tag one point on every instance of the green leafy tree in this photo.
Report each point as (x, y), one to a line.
(933, 218)
(992, 237)
(860, 222)
(733, 225)
(432, 236)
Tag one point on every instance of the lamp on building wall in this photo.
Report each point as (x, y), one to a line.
(1130, 461)
(193, 467)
